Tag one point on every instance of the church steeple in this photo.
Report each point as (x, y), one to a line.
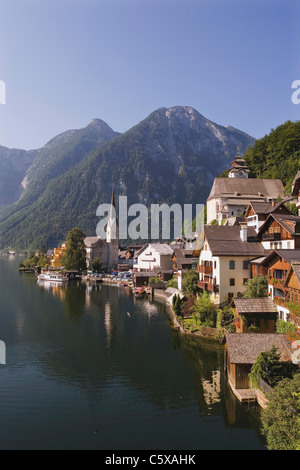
(112, 224)
(112, 234)
(238, 168)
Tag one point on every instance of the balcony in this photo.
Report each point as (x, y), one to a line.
(271, 236)
(208, 286)
(205, 269)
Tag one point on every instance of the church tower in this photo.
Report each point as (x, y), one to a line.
(238, 168)
(112, 234)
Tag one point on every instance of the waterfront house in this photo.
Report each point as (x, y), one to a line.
(230, 196)
(224, 260)
(253, 314)
(57, 256)
(96, 248)
(241, 352)
(154, 257)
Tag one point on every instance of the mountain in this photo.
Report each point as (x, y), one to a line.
(14, 164)
(172, 156)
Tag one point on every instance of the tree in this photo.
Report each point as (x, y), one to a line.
(190, 282)
(75, 255)
(256, 287)
(97, 265)
(281, 418)
(177, 305)
(205, 310)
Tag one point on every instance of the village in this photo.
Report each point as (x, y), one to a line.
(250, 232)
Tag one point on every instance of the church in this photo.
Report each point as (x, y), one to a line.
(230, 196)
(106, 250)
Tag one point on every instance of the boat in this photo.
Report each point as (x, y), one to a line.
(138, 291)
(57, 277)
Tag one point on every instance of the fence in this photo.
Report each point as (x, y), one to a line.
(264, 386)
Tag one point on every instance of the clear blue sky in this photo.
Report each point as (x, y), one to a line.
(66, 62)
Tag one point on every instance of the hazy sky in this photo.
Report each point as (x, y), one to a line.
(65, 62)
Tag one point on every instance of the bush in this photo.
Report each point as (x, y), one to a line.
(205, 310)
(281, 418)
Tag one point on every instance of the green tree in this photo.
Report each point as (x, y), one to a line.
(177, 305)
(173, 283)
(75, 255)
(281, 418)
(205, 310)
(190, 282)
(97, 265)
(269, 367)
(256, 287)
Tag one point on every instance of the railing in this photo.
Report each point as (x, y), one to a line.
(205, 269)
(264, 386)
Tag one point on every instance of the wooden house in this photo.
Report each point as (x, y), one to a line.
(296, 190)
(292, 283)
(183, 259)
(258, 211)
(241, 351)
(280, 232)
(276, 266)
(259, 313)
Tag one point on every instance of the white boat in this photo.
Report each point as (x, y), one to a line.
(57, 277)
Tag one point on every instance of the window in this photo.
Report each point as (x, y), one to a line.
(245, 264)
(215, 264)
(245, 280)
(232, 281)
(231, 264)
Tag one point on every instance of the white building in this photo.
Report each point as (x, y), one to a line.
(154, 256)
(230, 196)
(224, 260)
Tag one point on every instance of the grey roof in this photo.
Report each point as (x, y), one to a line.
(245, 347)
(255, 305)
(161, 248)
(247, 187)
(226, 240)
(264, 207)
(284, 221)
(90, 241)
(295, 184)
(295, 267)
(287, 255)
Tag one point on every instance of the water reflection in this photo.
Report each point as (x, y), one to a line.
(95, 357)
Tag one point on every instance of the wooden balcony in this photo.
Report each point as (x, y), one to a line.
(271, 236)
(205, 269)
(204, 285)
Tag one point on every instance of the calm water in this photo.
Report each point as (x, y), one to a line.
(81, 373)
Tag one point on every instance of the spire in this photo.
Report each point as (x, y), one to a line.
(238, 168)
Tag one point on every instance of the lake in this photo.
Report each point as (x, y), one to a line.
(91, 367)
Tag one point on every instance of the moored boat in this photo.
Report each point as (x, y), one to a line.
(57, 277)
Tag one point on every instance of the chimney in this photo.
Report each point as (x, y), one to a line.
(243, 231)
